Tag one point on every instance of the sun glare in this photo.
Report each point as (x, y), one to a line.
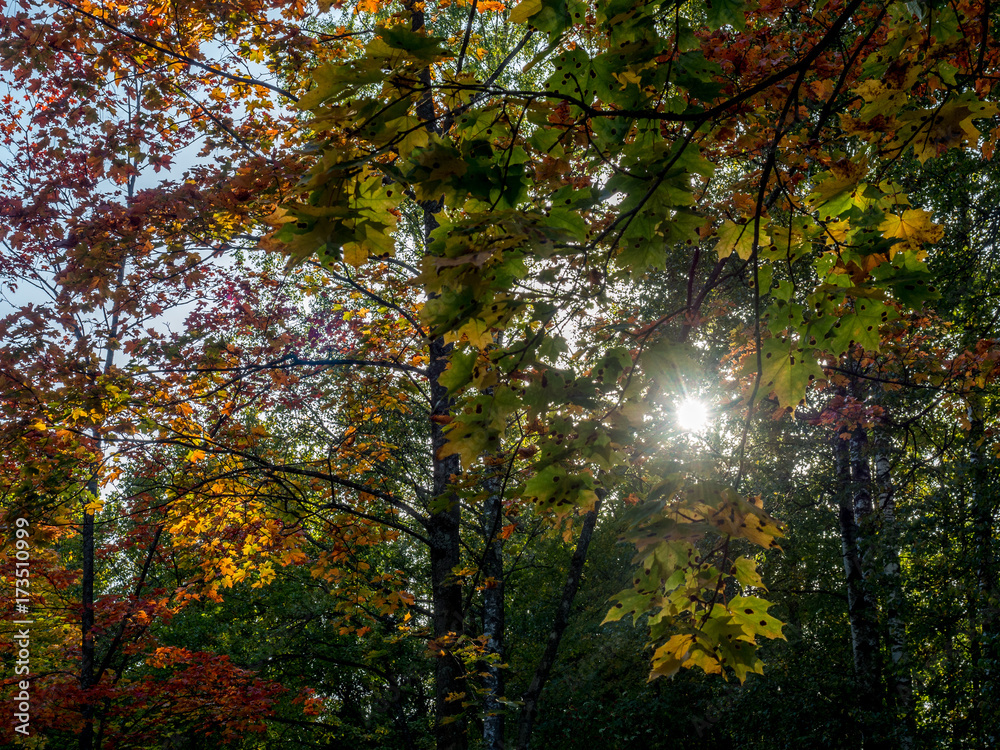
(692, 415)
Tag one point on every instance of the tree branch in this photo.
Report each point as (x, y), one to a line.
(176, 55)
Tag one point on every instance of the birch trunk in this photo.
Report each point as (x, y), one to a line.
(902, 681)
(861, 613)
(863, 506)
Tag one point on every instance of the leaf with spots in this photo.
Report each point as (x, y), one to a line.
(751, 613)
(787, 370)
(912, 229)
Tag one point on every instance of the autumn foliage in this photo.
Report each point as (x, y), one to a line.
(347, 310)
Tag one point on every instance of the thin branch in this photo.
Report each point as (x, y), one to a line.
(468, 34)
(176, 55)
(559, 624)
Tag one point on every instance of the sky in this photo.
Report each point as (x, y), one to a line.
(184, 160)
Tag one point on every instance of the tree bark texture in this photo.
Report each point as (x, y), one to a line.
(900, 667)
(889, 541)
(860, 607)
(444, 526)
(864, 524)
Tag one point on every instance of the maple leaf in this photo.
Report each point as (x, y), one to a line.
(736, 517)
(679, 651)
(913, 228)
(950, 126)
(787, 371)
(524, 10)
(739, 237)
(751, 613)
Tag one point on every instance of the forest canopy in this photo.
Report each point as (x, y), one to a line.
(474, 374)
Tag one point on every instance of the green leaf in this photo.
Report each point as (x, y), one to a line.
(908, 277)
(751, 612)
(459, 371)
(555, 489)
(671, 365)
(697, 74)
(725, 13)
(629, 602)
(745, 571)
(420, 46)
(468, 440)
(860, 325)
(787, 370)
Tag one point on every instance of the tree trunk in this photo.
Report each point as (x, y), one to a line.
(493, 617)
(87, 619)
(445, 551)
(861, 613)
(559, 623)
(444, 526)
(985, 646)
(88, 662)
(864, 524)
(902, 681)
(443, 529)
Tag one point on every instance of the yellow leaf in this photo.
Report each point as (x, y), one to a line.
(626, 77)
(914, 228)
(195, 456)
(682, 651)
(478, 333)
(280, 216)
(739, 237)
(355, 254)
(871, 89)
(524, 10)
(266, 575)
(949, 127)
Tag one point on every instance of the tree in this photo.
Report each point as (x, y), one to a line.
(508, 267)
(100, 268)
(636, 138)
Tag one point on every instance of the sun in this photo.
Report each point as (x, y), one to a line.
(692, 415)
